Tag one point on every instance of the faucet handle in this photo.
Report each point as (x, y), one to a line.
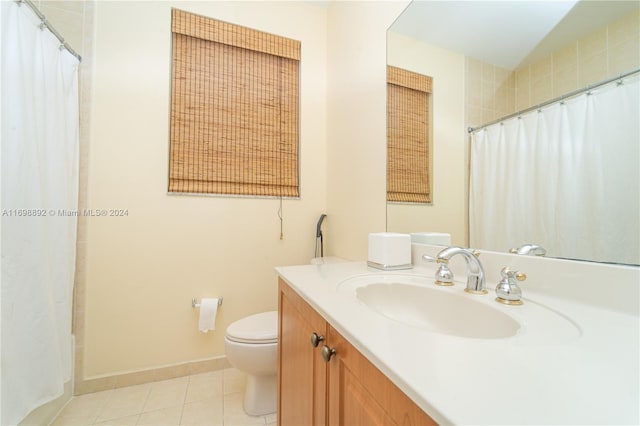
(444, 276)
(507, 290)
(428, 258)
(529, 249)
(506, 272)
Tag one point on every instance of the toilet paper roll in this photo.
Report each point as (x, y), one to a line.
(208, 312)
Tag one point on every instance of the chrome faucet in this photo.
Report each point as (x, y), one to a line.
(529, 249)
(475, 271)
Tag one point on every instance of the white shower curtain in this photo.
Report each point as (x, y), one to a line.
(566, 177)
(39, 188)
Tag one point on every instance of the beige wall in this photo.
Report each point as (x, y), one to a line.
(605, 53)
(143, 269)
(490, 92)
(494, 92)
(67, 17)
(356, 177)
(447, 212)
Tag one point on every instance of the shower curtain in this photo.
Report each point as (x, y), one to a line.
(39, 203)
(565, 177)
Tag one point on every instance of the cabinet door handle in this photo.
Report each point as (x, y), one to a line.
(327, 353)
(316, 339)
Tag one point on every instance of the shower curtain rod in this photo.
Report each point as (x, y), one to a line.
(48, 25)
(558, 99)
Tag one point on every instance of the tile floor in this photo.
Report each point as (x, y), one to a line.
(207, 399)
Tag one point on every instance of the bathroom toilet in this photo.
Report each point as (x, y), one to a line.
(251, 346)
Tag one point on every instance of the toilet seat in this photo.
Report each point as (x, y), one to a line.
(256, 329)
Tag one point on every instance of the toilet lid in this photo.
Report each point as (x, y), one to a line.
(258, 328)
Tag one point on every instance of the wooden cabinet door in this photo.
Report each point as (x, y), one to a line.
(359, 394)
(302, 374)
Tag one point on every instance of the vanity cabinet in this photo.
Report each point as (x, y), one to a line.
(302, 373)
(331, 383)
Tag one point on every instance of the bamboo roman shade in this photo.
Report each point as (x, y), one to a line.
(408, 136)
(234, 109)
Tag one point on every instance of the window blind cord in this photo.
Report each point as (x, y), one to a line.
(280, 154)
(280, 217)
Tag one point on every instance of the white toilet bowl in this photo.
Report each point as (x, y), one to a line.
(251, 346)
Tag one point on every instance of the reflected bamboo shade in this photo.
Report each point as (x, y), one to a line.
(234, 109)
(408, 136)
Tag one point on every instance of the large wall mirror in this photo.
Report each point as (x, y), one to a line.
(491, 59)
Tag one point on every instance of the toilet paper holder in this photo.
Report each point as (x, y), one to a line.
(195, 304)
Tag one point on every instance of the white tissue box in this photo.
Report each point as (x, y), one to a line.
(389, 251)
(436, 238)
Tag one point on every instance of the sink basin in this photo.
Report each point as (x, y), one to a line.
(443, 312)
(413, 300)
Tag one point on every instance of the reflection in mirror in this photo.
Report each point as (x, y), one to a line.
(483, 70)
(408, 159)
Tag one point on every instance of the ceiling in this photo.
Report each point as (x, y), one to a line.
(506, 33)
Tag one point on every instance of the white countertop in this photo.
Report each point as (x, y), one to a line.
(593, 378)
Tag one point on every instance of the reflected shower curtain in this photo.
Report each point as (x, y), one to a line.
(566, 177)
(39, 186)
